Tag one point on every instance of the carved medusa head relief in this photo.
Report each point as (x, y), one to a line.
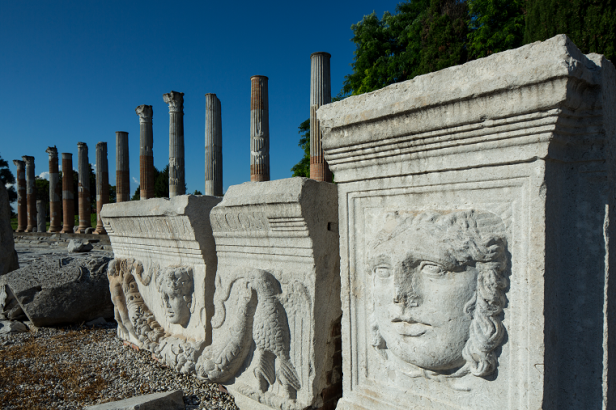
(438, 292)
(175, 284)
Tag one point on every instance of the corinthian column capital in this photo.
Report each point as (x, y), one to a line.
(145, 113)
(53, 152)
(175, 100)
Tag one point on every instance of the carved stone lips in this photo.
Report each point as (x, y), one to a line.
(411, 329)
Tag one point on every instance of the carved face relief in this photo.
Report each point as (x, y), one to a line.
(175, 284)
(432, 276)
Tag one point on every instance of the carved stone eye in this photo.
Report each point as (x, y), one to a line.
(382, 272)
(432, 269)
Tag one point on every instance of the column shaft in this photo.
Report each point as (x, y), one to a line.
(83, 187)
(102, 185)
(68, 196)
(175, 100)
(22, 198)
(320, 94)
(55, 192)
(259, 129)
(146, 153)
(31, 193)
(41, 216)
(213, 146)
(122, 169)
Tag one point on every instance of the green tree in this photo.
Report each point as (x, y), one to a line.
(590, 24)
(197, 192)
(112, 194)
(137, 195)
(302, 168)
(161, 183)
(42, 192)
(7, 177)
(495, 26)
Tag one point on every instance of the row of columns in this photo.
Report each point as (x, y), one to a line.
(320, 94)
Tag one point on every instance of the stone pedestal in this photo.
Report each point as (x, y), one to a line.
(165, 262)
(83, 188)
(41, 216)
(31, 193)
(213, 146)
(102, 184)
(175, 100)
(22, 196)
(55, 191)
(259, 129)
(277, 295)
(68, 196)
(320, 94)
(146, 153)
(122, 167)
(475, 207)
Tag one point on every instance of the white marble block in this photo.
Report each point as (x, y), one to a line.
(163, 276)
(475, 207)
(277, 297)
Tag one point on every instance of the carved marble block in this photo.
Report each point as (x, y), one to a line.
(277, 294)
(163, 276)
(476, 205)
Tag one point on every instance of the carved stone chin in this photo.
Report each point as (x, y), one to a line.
(437, 278)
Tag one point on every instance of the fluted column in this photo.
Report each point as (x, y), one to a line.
(22, 196)
(31, 193)
(320, 94)
(55, 191)
(175, 100)
(122, 170)
(259, 129)
(146, 153)
(83, 187)
(213, 146)
(41, 216)
(102, 185)
(68, 196)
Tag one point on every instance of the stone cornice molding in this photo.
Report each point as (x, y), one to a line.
(175, 100)
(145, 113)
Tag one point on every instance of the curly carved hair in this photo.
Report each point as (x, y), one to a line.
(467, 237)
(177, 280)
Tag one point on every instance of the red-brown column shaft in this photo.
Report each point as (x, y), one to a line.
(55, 192)
(122, 169)
(259, 129)
(68, 196)
(102, 185)
(85, 208)
(320, 94)
(146, 151)
(31, 193)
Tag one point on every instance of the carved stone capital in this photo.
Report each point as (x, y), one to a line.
(53, 152)
(28, 160)
(175, 100)
(145, 113)
(19, 163)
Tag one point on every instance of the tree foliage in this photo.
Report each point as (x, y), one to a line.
(7, 177)
(495, 26)
(302, 168)
(161, 185)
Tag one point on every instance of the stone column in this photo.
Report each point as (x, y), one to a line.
(175, 100)
(31, 193)
(22, 201)
(102, 185)
(320, 94)
(55, 191)
(41, 216)
(259, 129)
(68, 197)
(122, 170)
(146, 154)
(213, 146)
(83, 187)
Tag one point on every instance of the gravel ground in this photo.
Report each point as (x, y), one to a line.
(73, 367)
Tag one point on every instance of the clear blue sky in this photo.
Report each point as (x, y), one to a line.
(75, 71)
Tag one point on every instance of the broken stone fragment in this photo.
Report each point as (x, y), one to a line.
(157, 401)
(76, 245)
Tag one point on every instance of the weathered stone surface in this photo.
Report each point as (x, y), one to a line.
(156, 401)
(165, 262)
(475, 207)
(259, 129)
(75, 245)
(12, 326)
(62, 290)
(277, 293)
(41, 216)
(8, 256)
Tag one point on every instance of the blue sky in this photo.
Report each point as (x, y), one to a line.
(75, 71)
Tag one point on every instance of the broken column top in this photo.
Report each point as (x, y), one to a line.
(145, 113)
(320, 52)
(67, 155)
(19, 163)
(52, 151)
(82, 145)
(175, 100)
(29, 160)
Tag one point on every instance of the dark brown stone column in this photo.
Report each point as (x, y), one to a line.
(213, 146)
(22, 196)
(320, 94)
(55, 192)
(83, 187)
(68, 196)
(175, 100)
(122, 169)
(146, 152)
(259, 129)
(102, 185)
(31, 193)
